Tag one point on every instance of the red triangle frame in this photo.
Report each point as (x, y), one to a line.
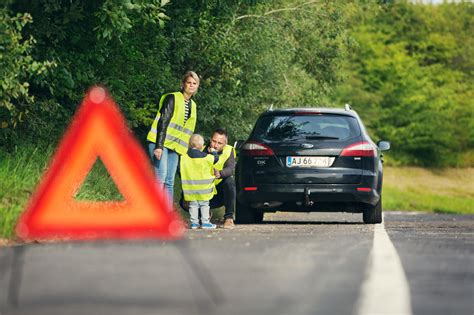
(98, 130)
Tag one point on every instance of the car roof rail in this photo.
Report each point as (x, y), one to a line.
(347, 107)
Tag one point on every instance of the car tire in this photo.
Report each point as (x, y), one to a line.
(258, 215)
(247, 215)
(373, 214)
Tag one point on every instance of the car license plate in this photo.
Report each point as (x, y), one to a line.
(309, 161)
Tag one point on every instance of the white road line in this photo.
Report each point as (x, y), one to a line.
(385, 289)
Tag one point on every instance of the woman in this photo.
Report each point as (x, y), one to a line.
(170, 132)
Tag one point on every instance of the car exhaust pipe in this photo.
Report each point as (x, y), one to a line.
(266, 204)
(307, 201)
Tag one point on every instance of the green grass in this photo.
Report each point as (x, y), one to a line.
(440, 191)
(395, 199)
(98, 185)
(20, 173)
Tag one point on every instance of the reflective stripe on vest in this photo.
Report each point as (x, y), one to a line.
(172, 125)
(223, 157)
(197, 177)
(197, 181)
(178, 132)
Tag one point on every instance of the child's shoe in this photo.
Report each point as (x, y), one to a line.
(194, 226)
(208, 226)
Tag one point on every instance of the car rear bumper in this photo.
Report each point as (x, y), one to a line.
(306, 197)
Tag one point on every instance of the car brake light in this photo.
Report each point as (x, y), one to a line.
(256, 149)
(307, 113)
(364, 189)
(360, 149)
(250, 188)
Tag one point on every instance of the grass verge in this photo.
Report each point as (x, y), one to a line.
(21, 172)
(442, 191)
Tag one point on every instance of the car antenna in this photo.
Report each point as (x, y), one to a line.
(271, 107)
(347, 107)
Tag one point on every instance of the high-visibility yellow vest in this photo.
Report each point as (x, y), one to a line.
(178, 132)
(226, 152)
(197, 177)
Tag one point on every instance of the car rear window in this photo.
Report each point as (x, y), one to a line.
(317, 126)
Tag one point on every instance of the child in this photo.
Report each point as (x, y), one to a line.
(197, 180)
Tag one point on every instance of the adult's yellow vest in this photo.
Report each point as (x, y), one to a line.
(197, 177)
(178, 132)
(226, 152)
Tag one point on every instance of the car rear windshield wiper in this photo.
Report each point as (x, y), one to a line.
(321, 137)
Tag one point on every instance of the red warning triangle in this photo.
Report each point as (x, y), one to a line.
(98, 130)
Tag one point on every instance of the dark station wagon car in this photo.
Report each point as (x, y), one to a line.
(309, 159)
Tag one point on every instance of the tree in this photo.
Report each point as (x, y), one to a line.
(86, 41)
(254, 54)
(411, 80)
(250, 54)
(17, 68)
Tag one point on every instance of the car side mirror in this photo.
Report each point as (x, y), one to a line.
(383, 145)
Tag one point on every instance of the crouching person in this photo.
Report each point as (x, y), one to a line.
(224, 171)
(197, 181)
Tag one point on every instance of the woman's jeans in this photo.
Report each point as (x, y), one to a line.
(165, 169)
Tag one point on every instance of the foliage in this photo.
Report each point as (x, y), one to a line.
(407, 69)
(17, 68)
(91, 43)
(411, 78)
(250, 55)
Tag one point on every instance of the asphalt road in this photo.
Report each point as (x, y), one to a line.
(291, 264)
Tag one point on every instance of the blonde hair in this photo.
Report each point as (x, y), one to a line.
(196, 141)
(191, 74)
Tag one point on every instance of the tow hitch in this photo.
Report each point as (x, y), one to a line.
(307, 201)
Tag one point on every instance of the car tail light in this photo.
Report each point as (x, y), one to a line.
(360, 149)
(364, 189)
(253, 188)
(256, 149)
(307, 113)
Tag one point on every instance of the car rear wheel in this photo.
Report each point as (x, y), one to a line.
(247, 215)
(373, 214)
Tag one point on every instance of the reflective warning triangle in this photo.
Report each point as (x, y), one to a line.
(98, 130)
